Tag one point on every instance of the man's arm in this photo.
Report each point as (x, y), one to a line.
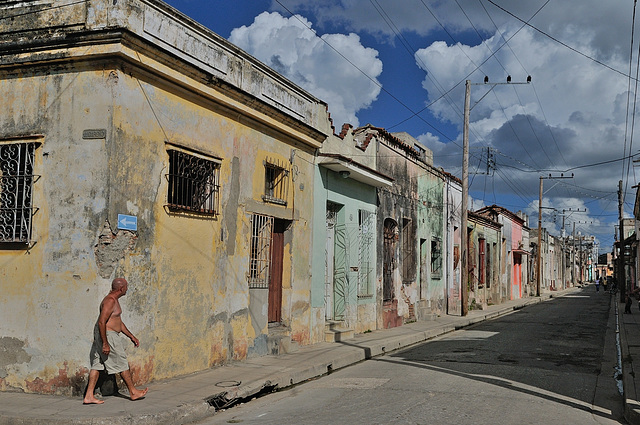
(106, 310)
(130, 335)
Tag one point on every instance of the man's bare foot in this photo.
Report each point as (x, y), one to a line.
(138, 394)
(92, 400)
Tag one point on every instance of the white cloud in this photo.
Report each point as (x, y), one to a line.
(292, 49)
(600, 24)
(569, 117)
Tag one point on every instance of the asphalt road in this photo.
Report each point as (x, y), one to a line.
(550, 363)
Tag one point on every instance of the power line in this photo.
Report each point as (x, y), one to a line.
(515, 134)
(558, 41)
(470, 73)
(373, 80)
(577, 167)
(496, 96)
(528, 73)
(412, 52)
(635, 99)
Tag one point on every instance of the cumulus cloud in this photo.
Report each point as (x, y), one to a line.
(575, 122)
(572, 115)
(601, 24)
(313, 62)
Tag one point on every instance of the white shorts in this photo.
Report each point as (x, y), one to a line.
(116, 361)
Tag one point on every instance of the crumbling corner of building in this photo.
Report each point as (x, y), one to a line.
(112, 248)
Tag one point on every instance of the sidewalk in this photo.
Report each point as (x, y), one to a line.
(197, 396)
(629, 328)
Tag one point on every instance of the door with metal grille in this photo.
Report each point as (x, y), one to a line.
(340, 267)
(366, 253)
(336, 265)
(328, 261)
(265, 267)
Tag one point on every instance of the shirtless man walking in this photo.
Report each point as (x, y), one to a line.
(107, 351)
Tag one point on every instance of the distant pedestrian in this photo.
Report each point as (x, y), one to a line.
(613, 285)
(598, 285)
(107, 352)
(629, 299)
(627, 303)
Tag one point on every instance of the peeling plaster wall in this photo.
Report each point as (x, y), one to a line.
(50, 292)
(189, 302)
(453, 208)
(431, 212)
(398, 203)
(482, 296)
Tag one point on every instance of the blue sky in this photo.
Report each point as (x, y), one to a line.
(401, 65)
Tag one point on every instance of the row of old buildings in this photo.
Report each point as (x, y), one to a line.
(135, 142)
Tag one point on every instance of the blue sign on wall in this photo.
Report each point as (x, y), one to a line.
(127, 222)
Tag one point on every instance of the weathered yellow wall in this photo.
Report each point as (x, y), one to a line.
(188, 301)
(50, 292)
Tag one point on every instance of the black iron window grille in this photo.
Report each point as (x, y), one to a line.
(276, 182)
(260, 255)
(436, 258)
(193, 183)
(16, 191)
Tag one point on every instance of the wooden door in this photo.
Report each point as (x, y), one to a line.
(275, 281)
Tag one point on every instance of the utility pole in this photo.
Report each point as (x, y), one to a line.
(464, 272)
(539, 256)
(622, 284)
(562, 259)
(580, 258)
(573, 255)
(564, 245)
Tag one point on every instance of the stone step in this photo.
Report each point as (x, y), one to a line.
(424, 312)
(335, 331)
(287, 345)
(279, 341)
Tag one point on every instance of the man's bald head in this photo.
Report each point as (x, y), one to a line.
(118, 284)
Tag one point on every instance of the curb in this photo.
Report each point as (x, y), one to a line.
(187, 413)
(631, 405)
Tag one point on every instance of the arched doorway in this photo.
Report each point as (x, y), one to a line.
(390, 264)
(389, 258)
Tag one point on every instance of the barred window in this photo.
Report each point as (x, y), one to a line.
(16, 191)
(276, 182)
(193, 183)
(436, 258)
(366, 253)
(260, 255)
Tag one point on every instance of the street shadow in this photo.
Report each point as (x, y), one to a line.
(540, 351)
